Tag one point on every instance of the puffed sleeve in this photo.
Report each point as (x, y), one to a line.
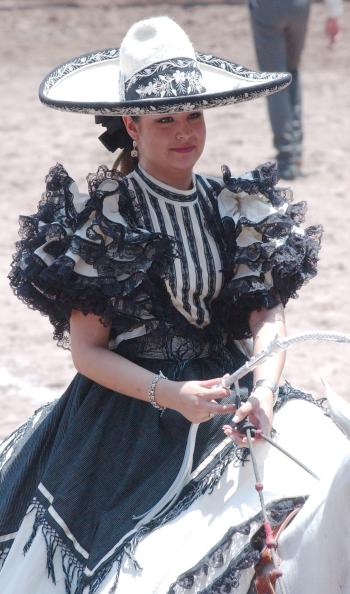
(270, 255)
(82, 251)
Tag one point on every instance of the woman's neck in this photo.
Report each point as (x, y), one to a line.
(176, 178)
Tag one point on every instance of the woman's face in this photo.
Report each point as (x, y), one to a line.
(169, 145)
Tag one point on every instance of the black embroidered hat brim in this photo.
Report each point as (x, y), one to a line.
(90, 84)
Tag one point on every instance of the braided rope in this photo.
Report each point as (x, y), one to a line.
(282, 344)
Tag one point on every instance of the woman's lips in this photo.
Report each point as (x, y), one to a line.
(183, 149)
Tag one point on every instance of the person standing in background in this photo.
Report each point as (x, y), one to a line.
(279, 30)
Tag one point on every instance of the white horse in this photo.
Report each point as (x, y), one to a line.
(315, 548)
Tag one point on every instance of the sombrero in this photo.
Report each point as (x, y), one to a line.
(155, 70)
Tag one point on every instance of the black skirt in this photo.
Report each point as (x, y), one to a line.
(102, 459)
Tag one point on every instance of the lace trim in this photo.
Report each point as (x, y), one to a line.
(126, 260)
(221, 559)
(264, 180)
(288, 392)
(274, 268)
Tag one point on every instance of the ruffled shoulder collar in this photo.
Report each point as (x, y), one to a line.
(261, 180)
(85, 252)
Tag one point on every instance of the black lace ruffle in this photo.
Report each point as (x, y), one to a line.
(124, 260)
(238, 550)
(127, 264)
(277, 265)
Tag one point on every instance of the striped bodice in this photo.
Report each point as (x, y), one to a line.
(195, 276)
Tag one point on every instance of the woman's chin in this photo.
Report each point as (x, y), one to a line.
(184, 159)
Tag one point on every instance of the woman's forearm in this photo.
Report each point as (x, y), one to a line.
(195, 400)
(265, 325)
(113, 371)
(92, 358)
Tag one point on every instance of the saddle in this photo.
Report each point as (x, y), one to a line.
(265, 581)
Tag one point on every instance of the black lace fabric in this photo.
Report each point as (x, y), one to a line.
(79, 252)
(220, 571)
(277, 264)
(124, 260)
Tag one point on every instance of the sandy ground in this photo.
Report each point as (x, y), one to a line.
(40, 35)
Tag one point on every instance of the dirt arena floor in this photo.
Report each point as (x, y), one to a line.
(37, 36)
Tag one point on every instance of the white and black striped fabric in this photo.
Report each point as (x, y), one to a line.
(195, 275)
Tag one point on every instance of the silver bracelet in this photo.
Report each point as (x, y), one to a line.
(267, 384)
(152, 391)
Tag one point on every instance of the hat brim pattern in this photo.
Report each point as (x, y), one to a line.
(63, 88)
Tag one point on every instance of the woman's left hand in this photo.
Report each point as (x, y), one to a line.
(258, 409)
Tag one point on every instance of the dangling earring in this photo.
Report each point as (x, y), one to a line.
(134, 152)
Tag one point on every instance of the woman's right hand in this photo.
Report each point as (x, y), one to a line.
(195, 400)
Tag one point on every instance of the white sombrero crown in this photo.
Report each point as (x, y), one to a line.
(155, 55)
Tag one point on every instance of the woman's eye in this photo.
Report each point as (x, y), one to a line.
(194, 115)
(166, 120)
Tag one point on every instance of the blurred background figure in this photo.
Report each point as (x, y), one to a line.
(279, 29)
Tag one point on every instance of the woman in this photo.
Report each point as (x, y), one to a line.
(168, 148)
(127, 483)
